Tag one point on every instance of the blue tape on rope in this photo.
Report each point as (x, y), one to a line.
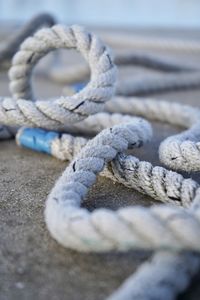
(79, 86)
(37, 139)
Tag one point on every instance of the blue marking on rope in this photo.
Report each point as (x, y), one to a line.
(37, 139)
(79, 86)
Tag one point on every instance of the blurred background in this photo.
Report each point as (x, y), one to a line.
(104, 13)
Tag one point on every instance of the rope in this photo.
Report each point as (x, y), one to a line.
(177, 152)
(182, 115)
(181, 151)
(157, 182)
(155, 228)
(74, 227)
(164, 280)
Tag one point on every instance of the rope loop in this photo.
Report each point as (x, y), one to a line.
(64, 110)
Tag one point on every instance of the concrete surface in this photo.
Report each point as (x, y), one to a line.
(32, 264)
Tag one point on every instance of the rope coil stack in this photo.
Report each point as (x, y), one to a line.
(161, 227)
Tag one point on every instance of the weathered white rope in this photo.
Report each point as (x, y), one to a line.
(64, 110)
(156, 110)
(157, 182)
(181, 151)
(74, 227)
(77, 218)
(163, 277)
(165, 280)
(102, 230)
(182, 115)
(159, 110)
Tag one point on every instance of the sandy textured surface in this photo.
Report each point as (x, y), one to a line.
(32, 264)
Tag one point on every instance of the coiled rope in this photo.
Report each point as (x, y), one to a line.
(65, 110)
(159, 227)
(157, 182)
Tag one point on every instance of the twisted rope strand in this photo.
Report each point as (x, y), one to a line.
(74, 227)
(179, 152)
(166, 275)
(157, 182)
(119, 109)
(64, 110)
(164, 266)
(155, 110)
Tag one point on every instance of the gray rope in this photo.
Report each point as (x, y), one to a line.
(177, 152)
(157, 182)
(181, 151)
(165, 281)
(130, 228)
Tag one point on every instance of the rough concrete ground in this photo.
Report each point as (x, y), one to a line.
(32, 264)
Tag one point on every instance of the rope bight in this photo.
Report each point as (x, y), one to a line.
(167, 229)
